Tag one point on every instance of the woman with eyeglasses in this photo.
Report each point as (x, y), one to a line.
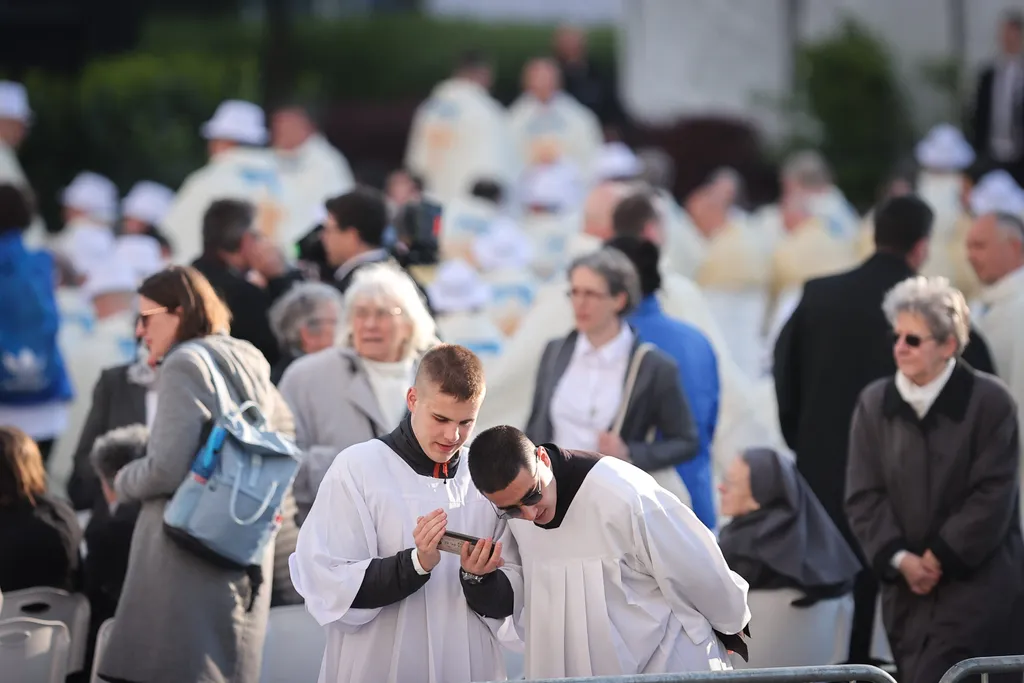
(590, 397)
(355, 392)
(181, 617)
(932, 491)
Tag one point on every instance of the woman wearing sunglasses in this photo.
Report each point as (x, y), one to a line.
(932, 491)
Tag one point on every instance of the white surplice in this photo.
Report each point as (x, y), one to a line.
(630, 582)
(367, 507)
(311, 174)
(459, 136)
(476, 331)
(559, 128)
(238, 173)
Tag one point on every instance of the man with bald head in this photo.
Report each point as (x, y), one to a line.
(549, 126)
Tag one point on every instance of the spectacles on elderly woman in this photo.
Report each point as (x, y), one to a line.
(912, 340)
(377, 313)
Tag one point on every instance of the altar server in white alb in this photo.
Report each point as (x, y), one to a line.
(367, 560)
(621, 577)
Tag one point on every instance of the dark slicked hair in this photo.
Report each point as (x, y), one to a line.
(454, 370)
(633, 214)
(902, 222)
(497, 455)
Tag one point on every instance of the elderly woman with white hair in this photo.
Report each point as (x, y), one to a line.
(356, 391)
(932, 491)
(304, 320)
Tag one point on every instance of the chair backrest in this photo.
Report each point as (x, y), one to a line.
(102, 636)
(796, 636)
(34, 650)
(294, 647)
(54, 604)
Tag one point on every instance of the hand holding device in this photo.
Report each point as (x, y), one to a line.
(427, 534)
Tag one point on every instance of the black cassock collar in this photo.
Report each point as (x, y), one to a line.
(403, 442)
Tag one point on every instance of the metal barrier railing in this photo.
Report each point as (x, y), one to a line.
(796, 674)
(983, 666)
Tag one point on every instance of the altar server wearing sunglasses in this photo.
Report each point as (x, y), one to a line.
(621, 577)
(368, 561)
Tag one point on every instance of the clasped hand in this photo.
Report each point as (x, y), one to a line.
(478, 559)
(921, 572)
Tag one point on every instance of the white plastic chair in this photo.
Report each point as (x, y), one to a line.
(294, 648)
(102, 636)
(54, 604)
(34, 650)
(783, 635)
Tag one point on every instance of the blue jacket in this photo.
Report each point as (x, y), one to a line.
(698, 373)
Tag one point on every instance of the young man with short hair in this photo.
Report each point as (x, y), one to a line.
(367, 561)
(623, 578)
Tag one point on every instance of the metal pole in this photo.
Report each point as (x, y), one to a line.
(983, 665)
(803, 674)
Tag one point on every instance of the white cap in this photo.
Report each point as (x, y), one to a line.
(140, 254)
(14, 102)
(111, 277)
(997, 192)
(944, 149)
(503, 246)
(237, 121)
(148, 202)
(554, 186)
(458, 288)
(94, 194)
(616, 161)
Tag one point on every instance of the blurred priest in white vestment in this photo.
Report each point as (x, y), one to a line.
(460, 134)
(90, 210)
(240, 167)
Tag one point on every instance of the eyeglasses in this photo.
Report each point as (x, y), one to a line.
(912, 340)
(365, 313)
(532, 497)
(588, 294)
(144, 316)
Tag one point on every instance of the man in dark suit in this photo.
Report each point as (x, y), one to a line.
(837, 342)
(246, 270)
(353, 234)
(998, 116)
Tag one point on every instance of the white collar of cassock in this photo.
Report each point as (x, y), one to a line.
(616, 349)
(1010, 287)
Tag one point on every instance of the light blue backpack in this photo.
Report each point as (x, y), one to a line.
(229, 506)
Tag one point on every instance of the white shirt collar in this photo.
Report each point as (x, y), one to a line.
(921, 398)
(618, 348)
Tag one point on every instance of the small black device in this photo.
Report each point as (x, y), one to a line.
(452, 542)
(418, 229)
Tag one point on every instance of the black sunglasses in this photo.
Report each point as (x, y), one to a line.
(912, 340)
(532, 497)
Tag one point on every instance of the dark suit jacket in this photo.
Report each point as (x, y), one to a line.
(836, 343)
(657, 401)
(116, 402)
(249, 304)
(981, 116)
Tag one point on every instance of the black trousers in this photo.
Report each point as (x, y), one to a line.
(865, 597)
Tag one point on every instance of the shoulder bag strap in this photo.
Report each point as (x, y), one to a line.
(220, 387)
(627, 389)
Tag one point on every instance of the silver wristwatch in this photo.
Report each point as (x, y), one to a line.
(470, 578)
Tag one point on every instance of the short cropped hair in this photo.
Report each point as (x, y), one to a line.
(618, 273)
(902, 222)
(632, 215)
(454, 370)
(497, 455)
(185, 290)
(301, 307)
(117, 448)
(225, 223)
(364, 210)
(938, 303)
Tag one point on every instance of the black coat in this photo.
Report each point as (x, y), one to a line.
(249, 304)
(835, 344)
(981, 116)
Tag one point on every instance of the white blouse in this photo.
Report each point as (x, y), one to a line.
(390, 382)
(587, 397)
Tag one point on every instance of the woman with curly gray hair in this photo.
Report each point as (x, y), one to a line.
(932, 490)
(304, 320)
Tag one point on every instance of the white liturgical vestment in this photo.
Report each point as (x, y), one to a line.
(459, 136)
(366, 508)
(630, 582)
(561, 128)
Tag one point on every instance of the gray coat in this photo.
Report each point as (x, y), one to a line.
(181, 619)
(334, 407)
(657, 401)
(946, 483)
